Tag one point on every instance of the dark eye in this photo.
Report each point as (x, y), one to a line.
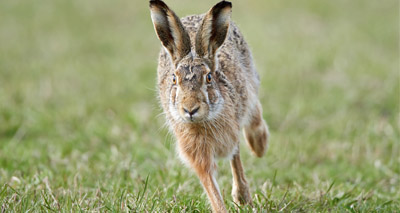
(173, 79)
(208, 77)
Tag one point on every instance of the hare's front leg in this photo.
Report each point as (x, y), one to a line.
(240, 188)
(206, 176)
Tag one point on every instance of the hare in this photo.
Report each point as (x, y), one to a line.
(208, 89)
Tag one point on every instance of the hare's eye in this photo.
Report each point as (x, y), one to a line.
(173, 79)
(208, 77)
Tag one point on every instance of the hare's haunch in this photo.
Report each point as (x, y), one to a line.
(208, 88)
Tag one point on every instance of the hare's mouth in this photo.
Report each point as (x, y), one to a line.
(187, 118)
(193, 116)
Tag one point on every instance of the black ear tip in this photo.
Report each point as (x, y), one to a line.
(158, 3)
(224, 4)
(228, 4)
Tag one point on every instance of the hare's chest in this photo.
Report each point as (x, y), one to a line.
(207, 142)
(226, 144)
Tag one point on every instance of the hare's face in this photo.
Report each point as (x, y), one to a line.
(195, 96)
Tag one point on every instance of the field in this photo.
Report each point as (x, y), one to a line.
(80, 123)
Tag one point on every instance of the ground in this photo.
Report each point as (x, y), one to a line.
(80, 124)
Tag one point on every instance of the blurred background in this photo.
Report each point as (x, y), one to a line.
(80, 123)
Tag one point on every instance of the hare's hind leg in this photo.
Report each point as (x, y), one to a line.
(256, 132)
(240, 188)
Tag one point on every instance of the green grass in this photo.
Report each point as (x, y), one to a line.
(79, 124)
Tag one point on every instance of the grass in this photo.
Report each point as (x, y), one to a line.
(79, 124)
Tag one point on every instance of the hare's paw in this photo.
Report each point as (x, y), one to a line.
(257, 138)
(241, 194)
(256, 133)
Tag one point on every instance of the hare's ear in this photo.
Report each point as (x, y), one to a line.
(170, 30)
(213, 30)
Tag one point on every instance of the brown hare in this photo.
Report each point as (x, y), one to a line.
(208, 88)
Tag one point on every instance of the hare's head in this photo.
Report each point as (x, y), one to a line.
(193, 82)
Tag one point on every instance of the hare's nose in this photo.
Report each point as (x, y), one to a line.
(192, 111)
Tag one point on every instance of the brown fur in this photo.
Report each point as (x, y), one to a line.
(208, 89)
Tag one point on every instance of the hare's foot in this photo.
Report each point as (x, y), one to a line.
(240, 188)
(256, 133)
(241, 194)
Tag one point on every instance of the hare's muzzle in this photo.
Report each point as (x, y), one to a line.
(190, 113)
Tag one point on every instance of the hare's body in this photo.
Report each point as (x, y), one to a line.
(239, 81)
(208, 89)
